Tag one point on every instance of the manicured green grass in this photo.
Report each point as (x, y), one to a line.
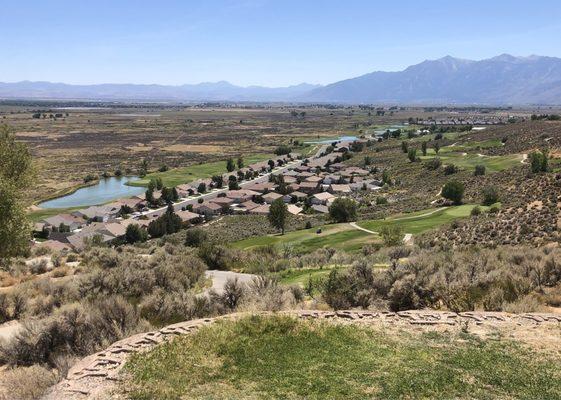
(347, 238)
(469, 161)
(422, 221)
(279, 357)
(43, 213)
(178, 176)
(338, 236)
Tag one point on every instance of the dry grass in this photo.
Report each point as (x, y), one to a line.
(26, 383)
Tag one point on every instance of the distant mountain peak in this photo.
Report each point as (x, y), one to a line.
(504, 79)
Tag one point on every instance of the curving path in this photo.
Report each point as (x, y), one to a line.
(408, 238)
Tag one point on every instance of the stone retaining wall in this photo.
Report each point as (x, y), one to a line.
(94, 376)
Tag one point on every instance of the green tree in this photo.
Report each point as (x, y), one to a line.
(230, 166)
(218, 180)
(454, 191)
(278, 214)
(135, 234)
(15, 177)
(240, 162)
(343, 210)
(436, 147)
(424, 148)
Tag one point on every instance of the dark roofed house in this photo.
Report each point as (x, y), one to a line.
(308, 187)
(320, 208)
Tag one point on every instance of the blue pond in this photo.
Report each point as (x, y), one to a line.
(106, 190)
(340, 138)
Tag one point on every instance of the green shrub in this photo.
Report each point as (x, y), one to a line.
(392, 234)
(380, 200)
(490, 195)
(479, 170)
(194, 237)
(454, 191)
(433, 164)
(450, 169)
(475, 211)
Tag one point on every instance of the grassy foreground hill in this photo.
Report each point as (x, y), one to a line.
(264, 357)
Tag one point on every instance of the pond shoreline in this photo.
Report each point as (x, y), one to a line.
(110, 194)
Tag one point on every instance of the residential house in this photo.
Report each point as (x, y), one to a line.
(98, 213)
(245, 207)
(320, 208)
(263, 209)
(300, 196)
(270, 197)
(188, 216)
(322, 198)
(308, 187)
(241, 195)
(314, 178)
(207, 208)
(294, 209)
(339, 188)
(263, 187)
(73, 222)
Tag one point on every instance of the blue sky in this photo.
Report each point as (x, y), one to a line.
(261, 42)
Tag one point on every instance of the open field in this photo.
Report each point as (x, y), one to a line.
(177, 176)
(281, 357)
(106, 137)
(92, 138)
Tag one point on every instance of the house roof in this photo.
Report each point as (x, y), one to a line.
(314, 179)
(66, 219)
(323, 196)
(298, 194)
(54, 245)
(262, 209)
(293, 209)
(187, 215)
(340, 188)
(222, 200)
(272, 196)
(321, 208)
(248, 205)
(209, 206)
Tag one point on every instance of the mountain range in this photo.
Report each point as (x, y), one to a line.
(504, 79)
